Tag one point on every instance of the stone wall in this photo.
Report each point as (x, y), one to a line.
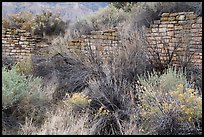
(101, 43)
(17, 43)
(184, 30)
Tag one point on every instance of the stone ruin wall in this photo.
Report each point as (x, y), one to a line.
(172, 28)
(101, 43)
(182, 29)
(18, 44)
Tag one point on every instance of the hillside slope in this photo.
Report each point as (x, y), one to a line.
(68, 10)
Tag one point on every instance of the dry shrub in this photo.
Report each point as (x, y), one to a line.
(71, 74)
(45, 24)
(23, 20)
(60, 121)
(25, 66)
(48, 24)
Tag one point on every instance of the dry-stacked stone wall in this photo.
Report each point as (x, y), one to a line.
(101, 43)
(177, 33)
(180, 31)
(17, 43)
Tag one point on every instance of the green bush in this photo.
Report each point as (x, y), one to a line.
(14, 87)
(23, 96)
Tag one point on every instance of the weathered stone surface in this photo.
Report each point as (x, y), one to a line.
(178, 27)
(171, 18)
(197, 38)
(196, 26)
(165, 14)
(164, 19)
(181, 17)
(155, 29)
(172, 22)
(162, 29)
(199, 20)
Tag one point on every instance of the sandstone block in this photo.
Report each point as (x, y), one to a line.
(196, 26)
(162, 29)
(109, 31)
(175, 40)
(156, 22)
(170, 33)
(191, 16)
(155, 29)
(163, 34)
(199, 20)
(107, 34)
(164, 19)
(197, 38)
(181, 17)
(173, 14)
(115, 34)
(178, 27)
(21, 31)
(194, 30)
(182, 22)
(170, 25)
(164, 22)
(165, 14)
(173, 22)
(171, 19)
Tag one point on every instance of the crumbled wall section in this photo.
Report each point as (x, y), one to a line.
(183, 29)
(17, 43)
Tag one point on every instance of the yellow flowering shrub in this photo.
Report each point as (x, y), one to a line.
(185, 101)
(78, 100)
(189, 103)
(163, 102)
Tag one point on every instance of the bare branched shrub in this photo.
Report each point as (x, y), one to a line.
(111, 87)
(71, 74)
(135, 58)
